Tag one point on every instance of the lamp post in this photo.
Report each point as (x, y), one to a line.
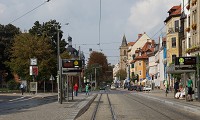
(59, 68)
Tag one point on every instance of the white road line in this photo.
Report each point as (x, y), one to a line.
(22, 100)
(16, 99)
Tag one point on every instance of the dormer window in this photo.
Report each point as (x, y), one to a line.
(140, 53)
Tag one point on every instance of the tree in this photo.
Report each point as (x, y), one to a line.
(121, 74)
(7, 33)
(28, 46)
(99, 62)
(50, 30)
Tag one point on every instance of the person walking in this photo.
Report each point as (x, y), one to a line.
(87, 89)
(176, 87)
(189, 85)
(166, 87)
(22, 88)
(76, 89)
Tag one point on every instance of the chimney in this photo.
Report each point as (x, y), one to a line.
(139, 36)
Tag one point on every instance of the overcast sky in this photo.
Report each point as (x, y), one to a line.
(118, 17)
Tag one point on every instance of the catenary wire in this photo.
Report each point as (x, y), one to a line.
(29, 11)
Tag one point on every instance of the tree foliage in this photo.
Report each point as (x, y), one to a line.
(99, 62)
(28, 46)
(50, 29)
(121, 74)
(7, 33)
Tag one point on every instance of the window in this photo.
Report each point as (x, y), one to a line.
(124, 52)
(176, 26)
(140, 73)
(173, 42)
(132, 65)
(189, 41)
(140, 63)
(173, 58)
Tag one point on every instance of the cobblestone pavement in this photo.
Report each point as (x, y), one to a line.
(52, 111)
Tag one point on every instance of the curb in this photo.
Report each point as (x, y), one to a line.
(188, 108)
(82, 107)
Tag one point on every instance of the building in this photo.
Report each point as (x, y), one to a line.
(141, 59)
(139, 43)
(172, 33)
(123, 54)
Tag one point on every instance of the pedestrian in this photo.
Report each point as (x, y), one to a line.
(166, 87)
(87, 89)
(22, 88)
(189, 85)
(176, 87)
(76, 89)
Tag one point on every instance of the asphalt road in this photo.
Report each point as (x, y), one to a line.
(12, 104)
(134, 107)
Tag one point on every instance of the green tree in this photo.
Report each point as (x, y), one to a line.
(50, 30)
(7, 33)
(121, 74)
(28, 46)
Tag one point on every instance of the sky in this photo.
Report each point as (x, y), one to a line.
(90, 24)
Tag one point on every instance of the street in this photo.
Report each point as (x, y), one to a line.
(14, 103)
(133, 107)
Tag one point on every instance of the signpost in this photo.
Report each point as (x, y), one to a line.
(71, 68)
(52, 78)
(33, 72)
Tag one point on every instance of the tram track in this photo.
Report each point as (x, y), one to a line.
(97, 108)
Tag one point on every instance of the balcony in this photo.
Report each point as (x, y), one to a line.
(192, 49)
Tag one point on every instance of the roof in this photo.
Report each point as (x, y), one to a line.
(174, 12)
(124, 42)
(131, 43)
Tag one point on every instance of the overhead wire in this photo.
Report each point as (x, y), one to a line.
(29, 11)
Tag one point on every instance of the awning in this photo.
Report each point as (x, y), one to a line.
(171, 69)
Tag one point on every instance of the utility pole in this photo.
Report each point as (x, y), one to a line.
(95, 70)
(198, 80)
(59, 68)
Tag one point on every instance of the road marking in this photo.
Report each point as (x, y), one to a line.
(20, 100)
(16, 99)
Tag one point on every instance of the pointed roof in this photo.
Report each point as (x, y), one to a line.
(124, 42)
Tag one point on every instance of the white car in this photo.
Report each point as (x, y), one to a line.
(146, 88)
(112, 87)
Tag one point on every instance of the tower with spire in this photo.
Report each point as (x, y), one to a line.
(123, 54)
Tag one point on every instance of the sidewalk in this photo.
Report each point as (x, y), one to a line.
(52, 111)
(159, 95)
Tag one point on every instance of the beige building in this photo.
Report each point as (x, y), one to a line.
(172, 33)
(139, 43)
(193, 22)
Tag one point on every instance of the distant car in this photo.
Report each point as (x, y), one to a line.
(102, 88)
(139, 88)
(132, 87)
(146, 88)
(112, 87)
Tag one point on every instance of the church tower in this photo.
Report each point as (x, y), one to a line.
(123, 53)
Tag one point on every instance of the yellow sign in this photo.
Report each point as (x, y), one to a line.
(75, 62)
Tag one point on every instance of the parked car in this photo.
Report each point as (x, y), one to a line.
(102, 88)
(139, 88)
(146, 88)
(112, 87)
(132, 87)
